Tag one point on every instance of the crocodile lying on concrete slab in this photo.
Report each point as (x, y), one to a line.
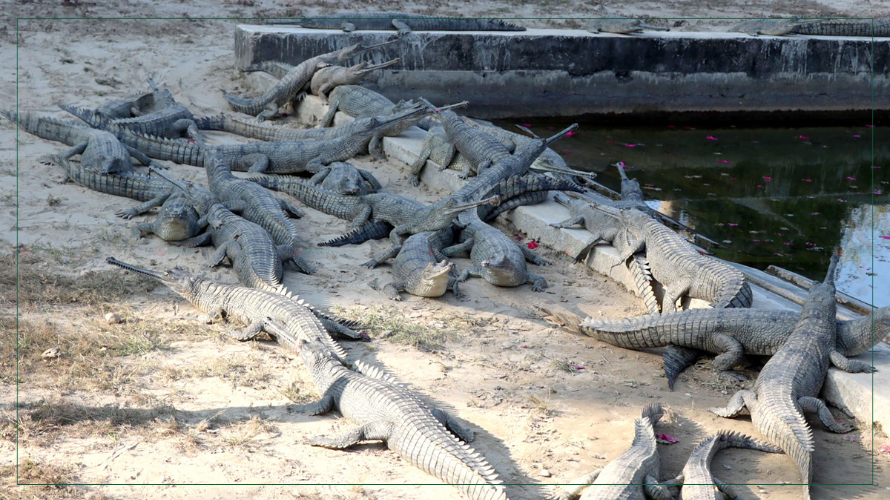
(621, 25)
(699, 483)
(267, 105)
(791, 380)
(99, 151)
(771, 27)
(496, 257)
(328, 78)
(252, 307)
(419, 267)
(359, 102)
(385, 410)
(729, 333)
(168, 118)
(878, 27)
(284, 157)
(634, 474)
(678, 266)
(403, 22)
(338, 178)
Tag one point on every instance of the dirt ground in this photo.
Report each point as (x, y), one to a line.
(162, 399)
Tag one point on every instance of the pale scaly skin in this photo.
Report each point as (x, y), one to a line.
(419, 267)
(403, 22)
(879, 27)
(621, 25)
(177, 220)
(330, 77)
(790, 381)
(699, 483)
(633, 475)
(385, 410)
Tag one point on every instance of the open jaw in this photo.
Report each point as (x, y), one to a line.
(434, 271)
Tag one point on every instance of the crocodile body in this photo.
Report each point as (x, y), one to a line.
(879, 27)
(165, 118)
(700, 484)
(250, 306)
(478, 147)
(286, 157)
(621, 25)
(679, 267)
(419, 267)
(328, 78)
(403, 22)
(359, 102)
(267, 105)
(257, 204)
(127, 107)
(344, 178)
(387, 411)
(790, 381)
(631, 476)
(603, 226)
(496, 257)
(99, 151)
(729, 333)
(772, 27)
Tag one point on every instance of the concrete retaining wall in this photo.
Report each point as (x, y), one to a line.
(573, 72)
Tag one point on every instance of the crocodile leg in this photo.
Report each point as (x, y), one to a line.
(573, 492)
(375, 147)
(401, 26)
(739, 400)
(673, 292)
(270, 111)
(319, 177)
(249, 332)
(731, 355)
(144, 207)
(289, 254)
(728, 492)
(325, 121)
(336, 328)
(287, 207)
(258, 163)
(195, 241)
(361, 218)
(348, 27)
(426, 150)
(533, 257)
(189, 127)
(466, 435)
(382, 257)
(455, 289)
(677, 359)
(368, 176)
(374, 431)
(574, 221)
(141, 157)
(466, 246)
(319, 407)
(75, 150)
(464, 275)
(850, 365)
(142, 230)
(538, 283)
(228, 249)
(815, 405)
(392, 290)
(655, 490)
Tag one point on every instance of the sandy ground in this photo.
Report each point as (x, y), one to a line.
(164, 399)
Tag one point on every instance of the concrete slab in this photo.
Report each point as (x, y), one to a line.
(572, 72)
(852, 390)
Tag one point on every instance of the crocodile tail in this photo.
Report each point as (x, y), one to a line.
(652, 411)
(561, 317)
(642, 276)
(88, 115)
(246, 106)
(781, 421)
(161, 148)
(47, 127)
(371, 230)
(731, 287)
(212, 122)
(639, 332)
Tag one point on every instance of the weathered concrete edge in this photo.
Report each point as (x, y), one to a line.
(851, 390)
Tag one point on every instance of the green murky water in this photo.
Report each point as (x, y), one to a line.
(783, 196)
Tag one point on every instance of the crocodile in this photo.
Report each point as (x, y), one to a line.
(678, 266)
(359, 102)
(284, 157)
(878, 27)
(401, 119)
(407, 216)
(517, 190)
(127, 107)
(603, 226)
(771, 27)
(344, 178)
(480, 148)
(485, 183)
(419, 266)
(385, 410)
(99, 151)
(177, 220)
(267, 105)
(621, 25)
(790, 381)
(252, 307)
(699, 483)
(729, 333)
(631, 476)
(496, 257)
(403, 22)
(328, 78)
(168, 118)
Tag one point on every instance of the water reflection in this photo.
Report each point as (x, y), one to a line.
(783, 196)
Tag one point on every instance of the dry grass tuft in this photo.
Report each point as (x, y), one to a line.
(422, 332)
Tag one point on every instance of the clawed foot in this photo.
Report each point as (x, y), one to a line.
(733, 376)
(415, 181)
(371, 264)
(127, 214)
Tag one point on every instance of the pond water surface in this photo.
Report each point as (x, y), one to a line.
(783, 196)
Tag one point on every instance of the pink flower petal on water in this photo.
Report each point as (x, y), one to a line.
(877, 191)
(807, 180)
(851, 178)
(727, 162)
(787, 243)
(767, 178)
(841, 200)
(670, 154)
(733, 224)
(760, 185)
(815, 213)
(870, 125)
(857, 135)
(566, 152)
(802, 137)
(733, 178)
(526, 124)
(688, 128)
(780, 234)
(885, 237)
(875, 167)
(667, 438)
(810, 244)
(777, 254)
(551, 128)
(610, 142)
(670, 126)
(649, 185)
(571, 133)
(628, 145)
(712, 138)
(532, 245)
